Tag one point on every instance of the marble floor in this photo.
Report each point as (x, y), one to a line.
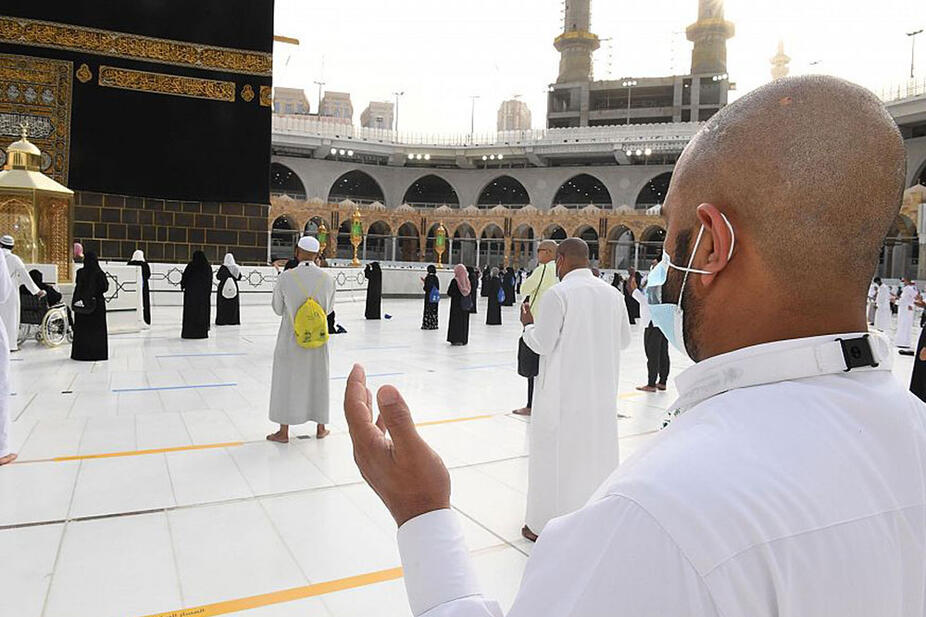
(145, 486)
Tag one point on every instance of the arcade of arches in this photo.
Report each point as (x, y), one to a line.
(498, 237)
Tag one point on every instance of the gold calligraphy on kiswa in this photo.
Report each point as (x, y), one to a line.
(133, 46)
(162, 83)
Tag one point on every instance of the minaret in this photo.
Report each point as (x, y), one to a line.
(576, 43)
(780, 62)
(709, 35)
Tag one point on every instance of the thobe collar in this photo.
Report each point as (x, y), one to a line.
(579, 272)
(774, 362)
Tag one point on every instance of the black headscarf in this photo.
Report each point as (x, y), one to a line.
(91, 262)
(36, 276)
(199, 260)
(432, 270)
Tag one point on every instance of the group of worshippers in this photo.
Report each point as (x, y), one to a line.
(792, 478)
(196, 284)
(462, 291)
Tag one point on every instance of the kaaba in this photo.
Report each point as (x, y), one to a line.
(156, 113)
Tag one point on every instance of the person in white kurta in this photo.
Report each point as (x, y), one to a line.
(873, 300)
(6, 290)
(299, 387)
(883, 310)
(9, 309)
(905, 311)
(579, 334)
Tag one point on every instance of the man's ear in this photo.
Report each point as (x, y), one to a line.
(715, 243)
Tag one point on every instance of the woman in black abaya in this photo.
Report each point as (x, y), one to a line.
(459, 292)
(429, 319)
(374, 275)
(228, 300)
(508, 283)
(492, 288)
(89, 306)
(138, 259)
(197, 290)
(474, 287)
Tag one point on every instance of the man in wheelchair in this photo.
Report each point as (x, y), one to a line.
(46, 317)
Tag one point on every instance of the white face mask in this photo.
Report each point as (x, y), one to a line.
(668, 317)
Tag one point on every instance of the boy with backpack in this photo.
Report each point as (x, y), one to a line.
(303, 297)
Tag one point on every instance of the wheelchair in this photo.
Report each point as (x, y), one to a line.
(49, 325)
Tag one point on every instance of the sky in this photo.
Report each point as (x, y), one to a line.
(443, 52)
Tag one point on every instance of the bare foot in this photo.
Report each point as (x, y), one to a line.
(527, 533)
(646, 388)
(279, 437)
(321, 432)
(524, 411)
(6, 460)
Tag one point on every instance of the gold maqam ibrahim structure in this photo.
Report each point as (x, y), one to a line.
(36, 210)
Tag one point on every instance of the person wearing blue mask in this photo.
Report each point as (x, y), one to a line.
(792, 480)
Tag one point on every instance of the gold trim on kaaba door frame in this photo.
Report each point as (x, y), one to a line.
(162, 83)
(133, 46)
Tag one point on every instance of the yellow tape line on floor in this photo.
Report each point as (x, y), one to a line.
(452, 420)
(81, 457)
(285, 595)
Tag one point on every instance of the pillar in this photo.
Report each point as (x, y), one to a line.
(636, 255)
(477, 253)
(363, 254)
(422, 248)
(395, 242)
(506, 261)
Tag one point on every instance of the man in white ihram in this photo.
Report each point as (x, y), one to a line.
(582, 327)
(9, 308)
(299, 386)
(6, 289)
(905, 311)
(792, 481)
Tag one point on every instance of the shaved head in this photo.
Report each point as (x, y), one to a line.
(809, 173)
(808, 166)
(574, 250)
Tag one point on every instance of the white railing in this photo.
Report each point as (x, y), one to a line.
(289, 124)
(905, 90)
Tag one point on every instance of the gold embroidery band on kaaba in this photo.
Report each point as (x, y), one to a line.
(134, 47)
(162, 83)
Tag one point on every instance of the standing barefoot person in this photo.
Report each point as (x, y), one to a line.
(299, 389)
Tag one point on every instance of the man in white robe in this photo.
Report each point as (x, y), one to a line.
(581, 330)
(793, 484)
(873, 300)
(299, 388)
(10, 308)
(905, 311)
(6, 289)
(883, 309)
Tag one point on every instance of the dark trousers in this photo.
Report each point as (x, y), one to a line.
(657, 354)
(530, 392)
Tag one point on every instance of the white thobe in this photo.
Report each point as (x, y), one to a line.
(9, 308)
(299, 387)
(883, 312)
(791, 493)
(872, 302)
(905, 311)
(581, 328)
(6, 290)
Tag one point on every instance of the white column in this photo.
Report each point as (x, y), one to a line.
(363, 254)
(269, 243)
(395, 242)
(477, 252)
(449, 250)
(636, 255)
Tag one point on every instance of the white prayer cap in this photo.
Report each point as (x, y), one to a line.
(7, 241)
(309, 244)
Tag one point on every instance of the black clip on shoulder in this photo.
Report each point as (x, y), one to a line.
(857, 353)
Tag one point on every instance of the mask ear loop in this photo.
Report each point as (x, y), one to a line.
(694, 251)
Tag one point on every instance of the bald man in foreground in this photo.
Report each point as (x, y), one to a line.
(792, 481)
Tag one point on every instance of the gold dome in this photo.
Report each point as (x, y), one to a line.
(24, 154)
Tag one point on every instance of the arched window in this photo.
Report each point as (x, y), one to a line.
(378, 246)
(357, 186)
(581, 191)
(523, 247)
(621, 242)
(503, 191)
(651, 243)
(431, 192)
(284, 181)
(590, 236)
(464, 245)
(283, 238)
(407, 241)
(654, 192)
(492, 246)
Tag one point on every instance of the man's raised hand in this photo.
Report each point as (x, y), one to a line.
(405, 472)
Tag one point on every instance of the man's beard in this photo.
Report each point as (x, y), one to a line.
(689, 302)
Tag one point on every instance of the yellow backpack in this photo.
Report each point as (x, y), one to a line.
(310, 324)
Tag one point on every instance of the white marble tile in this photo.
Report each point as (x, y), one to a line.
(230, 551)
(115, 567)
(203, 476)
(210, 426)
(271, 468)
(123, 484)
(29, 554)
(51, 438)
(161, 430)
